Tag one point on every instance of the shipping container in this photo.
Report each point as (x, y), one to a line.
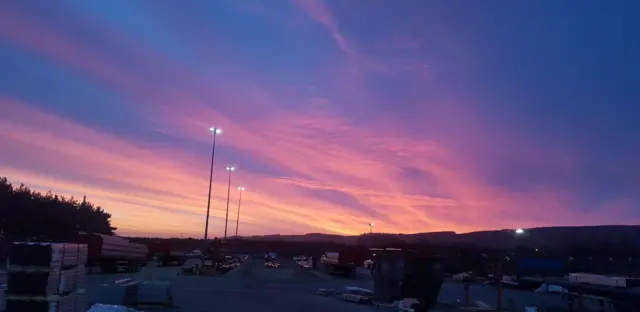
(345, 261)
(540, 263)
(540, 267)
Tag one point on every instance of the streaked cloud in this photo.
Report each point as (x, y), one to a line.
(396, 141)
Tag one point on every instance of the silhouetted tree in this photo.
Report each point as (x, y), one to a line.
(26, 214)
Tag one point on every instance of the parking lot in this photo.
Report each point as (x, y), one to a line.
(250, 287)
(253, 287)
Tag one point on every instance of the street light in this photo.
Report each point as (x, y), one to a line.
(215, 131)
(519, 231)
(241, 190)
(371, 228)
(231, 169)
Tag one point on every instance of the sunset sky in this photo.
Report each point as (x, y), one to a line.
(415, 115)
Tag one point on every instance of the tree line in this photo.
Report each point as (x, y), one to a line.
(29, 215)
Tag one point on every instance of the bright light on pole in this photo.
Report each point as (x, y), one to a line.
(231, 169)
(215, 131)
(371, 228)
(241, 190)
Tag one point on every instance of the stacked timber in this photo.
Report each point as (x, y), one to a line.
(121, 248)
(46, 277)
(112, 253)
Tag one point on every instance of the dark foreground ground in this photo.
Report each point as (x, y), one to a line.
(252, 287)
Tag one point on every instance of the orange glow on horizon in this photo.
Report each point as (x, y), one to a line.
(165, 192)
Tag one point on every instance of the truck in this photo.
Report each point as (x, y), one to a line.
(167, 255)
(172, 258)
(344, 262)
(113, 253)
(270, 257)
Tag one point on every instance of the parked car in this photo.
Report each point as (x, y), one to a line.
(272, 264)
(368, 263)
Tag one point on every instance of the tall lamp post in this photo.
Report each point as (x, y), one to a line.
(371, 228)
(241, 190)
(215, 131)
(231, 169)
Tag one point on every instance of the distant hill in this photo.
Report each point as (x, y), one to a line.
(615, 236)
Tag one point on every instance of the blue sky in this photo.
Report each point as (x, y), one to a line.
(420, 116)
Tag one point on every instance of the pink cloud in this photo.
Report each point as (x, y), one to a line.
(136, 183)
(314, 144)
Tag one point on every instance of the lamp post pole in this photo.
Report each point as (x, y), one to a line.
(226, 219)
(215, 131)
(241, 189)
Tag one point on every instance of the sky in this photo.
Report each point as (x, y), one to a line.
(414, 115)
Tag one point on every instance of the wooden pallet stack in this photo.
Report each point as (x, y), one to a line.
(155, 294)
(46, 277)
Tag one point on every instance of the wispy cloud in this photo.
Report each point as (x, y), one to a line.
(133, 182)
(311, 162)
(319, 11)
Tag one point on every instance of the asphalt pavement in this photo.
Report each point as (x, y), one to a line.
(251, 287)
(291, 288)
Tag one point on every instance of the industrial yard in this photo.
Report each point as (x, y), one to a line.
(244, 283)
(73, 270)
(253, 287)
(250, 287)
